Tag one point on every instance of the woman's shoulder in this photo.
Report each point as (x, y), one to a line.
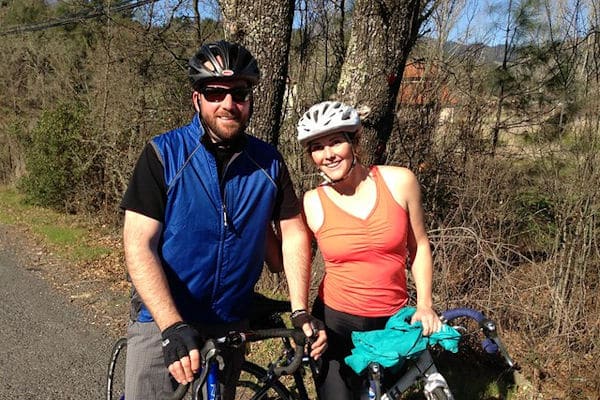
(395, 174)
(310, 194)
(311, 200)
(401, 182)
(313, 210)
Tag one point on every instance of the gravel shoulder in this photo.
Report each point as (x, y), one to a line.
(99, 291)
(57, 329)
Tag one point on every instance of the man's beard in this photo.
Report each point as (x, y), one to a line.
(224, 130)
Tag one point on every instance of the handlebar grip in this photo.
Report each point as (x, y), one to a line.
(262, 334)
(296, 334)
(454, 313)
(296, 361)
(208, 350)
(489, 346)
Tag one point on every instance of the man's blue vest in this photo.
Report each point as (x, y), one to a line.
(213, 239)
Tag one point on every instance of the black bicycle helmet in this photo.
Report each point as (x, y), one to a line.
(223, 60)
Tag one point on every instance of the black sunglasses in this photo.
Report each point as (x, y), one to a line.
(217, 94)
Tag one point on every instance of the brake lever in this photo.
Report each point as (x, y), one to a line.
(490, 331)
(315, 365)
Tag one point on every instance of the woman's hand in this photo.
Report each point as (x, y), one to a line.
(429, 319)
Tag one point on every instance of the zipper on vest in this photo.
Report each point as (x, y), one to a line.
(224, 207)
(222, 184)
(224, 200)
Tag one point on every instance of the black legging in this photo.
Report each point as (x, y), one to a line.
(338, 381)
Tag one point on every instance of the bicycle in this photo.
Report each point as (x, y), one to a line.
(423, 369)
(255, 382)
(420, 370)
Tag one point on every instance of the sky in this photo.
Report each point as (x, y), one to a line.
(485, 21)
(471, 21)
(480, 21)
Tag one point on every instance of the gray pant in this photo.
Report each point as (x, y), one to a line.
(147, 378)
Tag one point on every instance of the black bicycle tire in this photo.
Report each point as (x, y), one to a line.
(114, 356)
(258, 373)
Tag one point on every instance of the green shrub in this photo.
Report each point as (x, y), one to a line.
(536, 219)
(55, 157)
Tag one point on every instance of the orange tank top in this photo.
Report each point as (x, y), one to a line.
(365, 260)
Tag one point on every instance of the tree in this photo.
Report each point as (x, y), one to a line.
(383, 34)
(265, 27)
(520, 19)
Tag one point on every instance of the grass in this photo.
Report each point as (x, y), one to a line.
(66, 235)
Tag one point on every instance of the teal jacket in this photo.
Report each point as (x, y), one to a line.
(397, 342)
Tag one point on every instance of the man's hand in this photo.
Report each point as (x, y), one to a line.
(180, 344)
(314, 329)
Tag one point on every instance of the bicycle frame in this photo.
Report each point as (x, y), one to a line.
(213, 388)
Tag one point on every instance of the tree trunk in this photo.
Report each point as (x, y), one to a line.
(383, 34)
(264, 27)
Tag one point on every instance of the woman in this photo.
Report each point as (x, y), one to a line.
(367, 222)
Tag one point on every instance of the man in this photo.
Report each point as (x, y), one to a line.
(197, 211)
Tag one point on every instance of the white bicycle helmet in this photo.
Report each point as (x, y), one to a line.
(325, 118)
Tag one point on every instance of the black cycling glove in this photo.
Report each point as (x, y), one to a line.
(178, 340)
(301, 317)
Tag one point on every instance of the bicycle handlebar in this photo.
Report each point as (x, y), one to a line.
(210, 351)
(455, 313)
(487, 326)
(296, 334)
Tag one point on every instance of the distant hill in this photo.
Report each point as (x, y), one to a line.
(491, 54)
